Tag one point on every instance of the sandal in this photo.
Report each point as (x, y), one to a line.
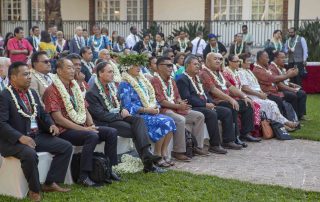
(162, 163)
(289, 129)
(168, 160)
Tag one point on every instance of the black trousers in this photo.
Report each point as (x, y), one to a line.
(279, 102)
(61, 150)
(246, 116)
(298, 101)
(89, 140)
(297, 79)
(135, 128)
(211, 119)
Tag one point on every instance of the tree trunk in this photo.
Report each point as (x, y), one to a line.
(53, 14)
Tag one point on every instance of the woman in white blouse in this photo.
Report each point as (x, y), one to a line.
(252, 88)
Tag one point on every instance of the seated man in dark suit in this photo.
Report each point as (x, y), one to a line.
(25, 128)
(105, 109)
(191, 89)
(86, 62)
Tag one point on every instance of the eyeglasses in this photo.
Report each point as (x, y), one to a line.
(45, 61)
(235, 61)
(168, 65)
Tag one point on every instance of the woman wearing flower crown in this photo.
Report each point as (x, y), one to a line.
(138, 97)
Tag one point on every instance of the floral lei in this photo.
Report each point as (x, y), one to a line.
(20, 111)
(277, 44)
(148, 100)
(117, 75)
(39, 77)
(294, 43)
(78, 116)
(108, 103)
(222, 83)
(235, 77)
(198, 89)
(236, 47)
(259, 66)
(165, 88)
(185, 45)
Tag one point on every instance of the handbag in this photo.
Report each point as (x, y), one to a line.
(191, 143)
(279, 131)
(101, 168)
(267, 131)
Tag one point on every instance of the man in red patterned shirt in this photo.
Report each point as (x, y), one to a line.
(64, 101)
(223, 91)
(268, 81)
(179, 110)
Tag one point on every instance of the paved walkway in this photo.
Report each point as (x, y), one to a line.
(294, 163)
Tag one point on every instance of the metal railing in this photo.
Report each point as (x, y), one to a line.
(261, 30)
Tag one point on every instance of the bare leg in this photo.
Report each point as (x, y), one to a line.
(157, 146)
(164, 148)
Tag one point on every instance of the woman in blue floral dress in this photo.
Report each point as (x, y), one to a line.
(138, 97)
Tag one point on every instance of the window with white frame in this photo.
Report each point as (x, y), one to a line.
(267, 9)
(108, 10)
(11, 9)
(38, 10)
(227, 9)
(134, 9)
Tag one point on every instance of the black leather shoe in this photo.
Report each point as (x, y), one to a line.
(151, 158)
(153, 169)
(87, 182)
(239, 142)
(114, 177)
(250, 138)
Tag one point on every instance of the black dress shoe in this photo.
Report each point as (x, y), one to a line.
(151, 158)
(87, 182)
(250, 138)
(114, 177)
(239, 142)
(217, 150)
(153, 169)
(107, 181)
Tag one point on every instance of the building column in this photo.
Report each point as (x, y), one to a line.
(285, 17)
(207, 14)
(150, 19)
(92, 14)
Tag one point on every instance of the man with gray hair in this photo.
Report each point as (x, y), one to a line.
(77, 42)
(4, 66)
(191, 89)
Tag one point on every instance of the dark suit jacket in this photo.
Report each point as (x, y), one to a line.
(188, 92)
(30, 39)
(73, 46)
(207, 49)
(98, 109)
(84, 70)
(139, 47)
(13, 125)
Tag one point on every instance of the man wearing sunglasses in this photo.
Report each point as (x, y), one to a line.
(19, 48)
(179, 110)
(41, 68)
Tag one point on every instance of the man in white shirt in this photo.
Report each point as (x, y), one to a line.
(198, 44)
(132, 38)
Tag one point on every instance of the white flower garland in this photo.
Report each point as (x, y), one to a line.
(20, 111)
(129, 164)
(259, 66)
(165, 88)
(185, 42)
(236, 47)
(78, 116)
(61, 46)
(78, 40)
(215, 49)
(147, 99)
(198, 89)
(117, 75)
(222, 83)
(294, 43)
(275, 44)
(39, 77)
(281, 73)
(95, 43)
(108, 103)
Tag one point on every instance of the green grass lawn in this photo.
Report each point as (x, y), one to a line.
(182, 186)
(311, 128)
(179, 186)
